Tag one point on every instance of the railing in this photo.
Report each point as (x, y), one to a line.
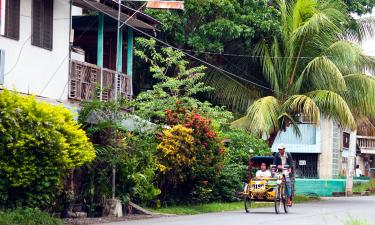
(85, 83)
(366, 142)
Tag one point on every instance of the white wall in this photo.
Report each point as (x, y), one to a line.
(36, 66)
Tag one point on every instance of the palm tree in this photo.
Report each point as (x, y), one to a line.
(315, 68)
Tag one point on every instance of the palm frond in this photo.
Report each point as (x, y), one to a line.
(287, 120)
(233, 94)
(302, 104)
(262, 116)
(324, 74)
(360, 94)
(270, 72)
(333, 106)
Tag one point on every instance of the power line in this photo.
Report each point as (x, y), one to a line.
(227, 73)
(62, 62)
(18, 57)
(53, 75)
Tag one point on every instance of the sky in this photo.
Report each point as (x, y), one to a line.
(369, 45)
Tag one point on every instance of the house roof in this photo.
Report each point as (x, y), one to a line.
(110, 7)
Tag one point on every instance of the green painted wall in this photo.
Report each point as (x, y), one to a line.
(321, 187)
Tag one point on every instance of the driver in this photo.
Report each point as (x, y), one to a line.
(281, 159)
(263, 172)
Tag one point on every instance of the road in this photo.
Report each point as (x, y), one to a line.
(329, 211)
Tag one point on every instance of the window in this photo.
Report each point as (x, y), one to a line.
(42, 23)
(10, 18)
(346, 140)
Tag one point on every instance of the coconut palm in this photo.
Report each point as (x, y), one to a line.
(315, 68)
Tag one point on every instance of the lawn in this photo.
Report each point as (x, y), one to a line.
(220, 207)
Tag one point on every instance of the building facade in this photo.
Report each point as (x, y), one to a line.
(67, 51)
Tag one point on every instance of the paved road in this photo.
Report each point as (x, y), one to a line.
(329, 211)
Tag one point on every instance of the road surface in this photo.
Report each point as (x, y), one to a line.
(329, 211)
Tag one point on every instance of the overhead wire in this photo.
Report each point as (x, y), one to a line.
(227, 73)
(62, 62)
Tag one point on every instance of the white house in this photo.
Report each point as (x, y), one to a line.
(35, 46)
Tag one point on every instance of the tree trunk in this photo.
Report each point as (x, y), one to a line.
(271, 139)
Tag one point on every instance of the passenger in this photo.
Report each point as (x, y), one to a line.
(263, 172)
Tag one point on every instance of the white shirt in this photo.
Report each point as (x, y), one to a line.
(358, 172)
(260, 173)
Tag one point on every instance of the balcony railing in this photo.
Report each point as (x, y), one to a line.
(86, 83)
(366, 144)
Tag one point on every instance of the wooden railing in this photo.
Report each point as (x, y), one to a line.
(85, 83)
(366, 142)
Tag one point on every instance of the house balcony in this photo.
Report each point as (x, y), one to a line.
(88, 81)
(366, 144)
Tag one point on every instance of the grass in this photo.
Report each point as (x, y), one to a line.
(357, 222)
(219, 207)
(27, 217)
(364, 186)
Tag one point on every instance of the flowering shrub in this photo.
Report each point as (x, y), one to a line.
(206, 153)
(175, 156)
(209, 149)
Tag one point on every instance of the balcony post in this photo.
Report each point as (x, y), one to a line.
(99, 60)
(129, 66)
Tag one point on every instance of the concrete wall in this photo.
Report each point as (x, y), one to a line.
(325, 166)
(29, 68)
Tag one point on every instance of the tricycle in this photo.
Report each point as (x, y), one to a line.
(266, 189)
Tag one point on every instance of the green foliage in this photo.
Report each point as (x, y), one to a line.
(312, 71)
(229, 182)
(191, 156)
(243, 145)
(360, 187)
(27, 216)
(130, 153)
(39, 143)
(176, 82)
(213, 25)
(360, 6)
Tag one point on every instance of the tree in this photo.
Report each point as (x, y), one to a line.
(360, 6)
(177, 81)
(314, 69)
(39, 144)
(225, 26)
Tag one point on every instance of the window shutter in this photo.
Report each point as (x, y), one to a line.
(36, 23)
(42, 24)
(48, 24)
(12, 21)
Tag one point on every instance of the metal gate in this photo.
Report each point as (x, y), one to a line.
(306, 165)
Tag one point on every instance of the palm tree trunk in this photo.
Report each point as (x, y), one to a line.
(271, 139)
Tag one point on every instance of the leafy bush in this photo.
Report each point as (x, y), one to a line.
(242, 145)
(131, 154)
(27, 217)
(209, 148)
(193, 153)
(39, 143)
(176, 156)
(229, 183)
(176, 81)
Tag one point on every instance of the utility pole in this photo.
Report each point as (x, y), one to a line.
(351, 162)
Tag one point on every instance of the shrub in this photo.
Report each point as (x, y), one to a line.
(242, 145)
(175, 155)
(39, 143)
(210, 151)
(195, 145)
(229, 183)
(27, 217)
